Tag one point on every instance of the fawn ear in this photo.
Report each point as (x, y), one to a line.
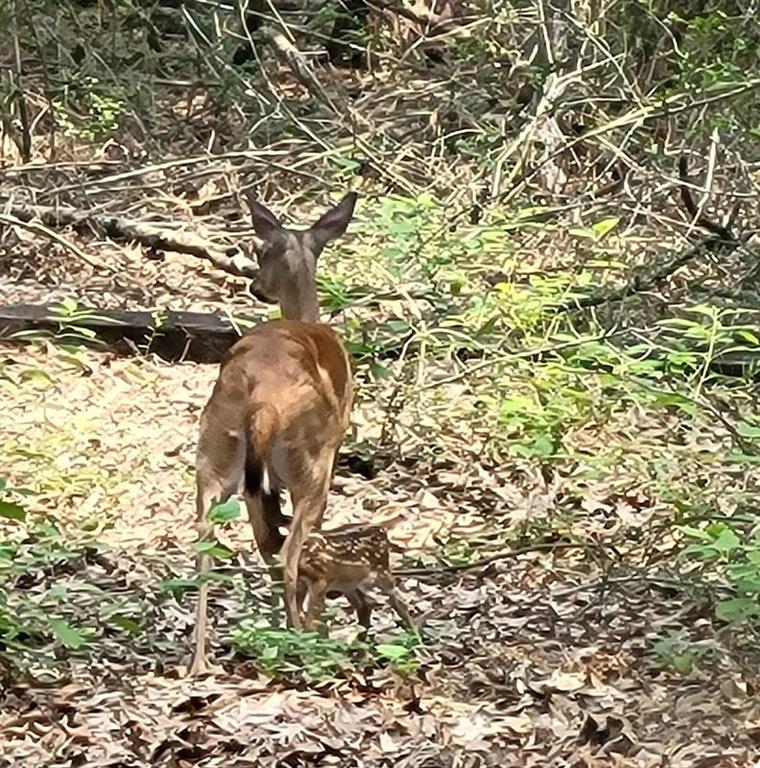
(265, 223)
(333, 223)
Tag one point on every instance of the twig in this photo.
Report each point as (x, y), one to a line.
(31, 226)
(25, 145)
(639, 283)
(287, 53)
(120, 227)
(696, 211)
(721, 237)
(507, 555)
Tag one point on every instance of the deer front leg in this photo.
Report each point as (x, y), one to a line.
(309, 494)
(207, 493)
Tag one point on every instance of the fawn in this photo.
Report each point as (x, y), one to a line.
(348, 560)
(279, 409)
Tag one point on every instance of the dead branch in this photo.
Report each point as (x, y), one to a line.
(697, 216)
(721, 237)
(228, 260)
(640, 283)
(40, 229)
(289, 55)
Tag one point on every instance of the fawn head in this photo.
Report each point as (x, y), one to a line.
(288, 257)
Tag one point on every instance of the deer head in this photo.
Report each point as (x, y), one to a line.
(288, 258)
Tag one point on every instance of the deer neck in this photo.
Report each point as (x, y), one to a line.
(301, 302)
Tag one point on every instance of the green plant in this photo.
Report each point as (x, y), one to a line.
(287, 651)
(316, 658)
(724, 550)
(70, 333)
(10, 509)
(89, 108)
(676, 651)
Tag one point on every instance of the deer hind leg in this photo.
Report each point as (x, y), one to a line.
(309, 491)
(215, 483)
(265, 516)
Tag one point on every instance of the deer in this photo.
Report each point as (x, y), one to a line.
(279, 410)
(349, 560)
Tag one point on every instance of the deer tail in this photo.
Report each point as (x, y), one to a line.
(261, 432)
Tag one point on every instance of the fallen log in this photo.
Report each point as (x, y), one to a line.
(173, 336)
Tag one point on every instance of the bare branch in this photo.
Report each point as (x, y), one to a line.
(228, 260)
(697, 216)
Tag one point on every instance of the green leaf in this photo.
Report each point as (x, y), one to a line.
(605, 226)
(177, 587)
(69, 636)
(542, 446)
(737, 609)
(128, 625)
(683, 662)
(12, 511)
(695, 533)
(747, 430)
(727, 541)
(270, 653)
(380, 371)
(68, 305)
(392, 652)
(739, 457)
(213, 549)
(748, 336)
(753, 555)
(583, 232)
(223, 513)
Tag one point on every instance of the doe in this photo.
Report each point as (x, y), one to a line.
(279, 409)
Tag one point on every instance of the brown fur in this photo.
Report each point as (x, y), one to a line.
(279, 409)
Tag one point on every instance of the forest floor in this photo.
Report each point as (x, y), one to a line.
(541, 659)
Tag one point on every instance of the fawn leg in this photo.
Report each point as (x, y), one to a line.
(362, 607)
(317, 593)
(388, 585)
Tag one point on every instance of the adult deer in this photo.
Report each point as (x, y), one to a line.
(279, 409)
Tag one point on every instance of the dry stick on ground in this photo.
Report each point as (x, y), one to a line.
(31, 226)
(227, 259)
(484, 561)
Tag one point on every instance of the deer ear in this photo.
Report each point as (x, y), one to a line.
(265, 223)
(333, 223)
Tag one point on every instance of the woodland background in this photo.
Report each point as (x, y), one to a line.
(550, 292)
